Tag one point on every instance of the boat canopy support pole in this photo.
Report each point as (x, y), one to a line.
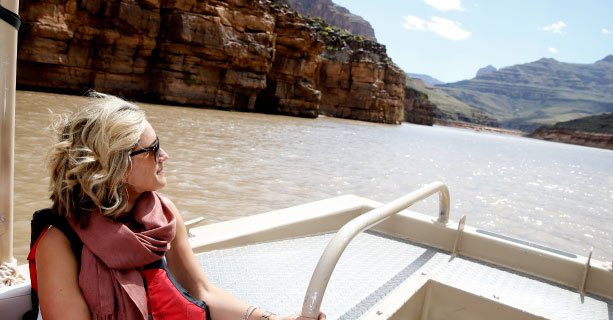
(9, 24)
(336, 246)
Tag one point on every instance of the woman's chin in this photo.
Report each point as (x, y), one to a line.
(162, 181)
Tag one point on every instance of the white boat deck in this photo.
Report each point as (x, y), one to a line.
(275, 276)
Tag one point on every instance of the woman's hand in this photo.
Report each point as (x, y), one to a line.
(322, 316)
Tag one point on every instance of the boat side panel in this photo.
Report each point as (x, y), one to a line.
(15, 301)
(564, 269)
(308, 219)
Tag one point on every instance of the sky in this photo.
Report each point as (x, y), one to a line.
(451, 39)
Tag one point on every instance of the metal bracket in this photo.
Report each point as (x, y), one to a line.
(192, 223)
(458, 235)
(586, 271)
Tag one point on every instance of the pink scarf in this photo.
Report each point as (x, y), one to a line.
(112, 255)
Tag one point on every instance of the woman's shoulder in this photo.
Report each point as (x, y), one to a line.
(54, 237)
(54, 231)
(57, 276)
(54, 244)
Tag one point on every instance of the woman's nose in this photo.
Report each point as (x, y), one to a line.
(163, 155)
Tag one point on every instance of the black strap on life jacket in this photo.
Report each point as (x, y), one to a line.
(10, 17)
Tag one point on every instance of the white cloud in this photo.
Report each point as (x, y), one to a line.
(414, 23)
(443, 27)
(606, 31)
(557, 27)
(445, 5)
(552, 50)
(448, 29)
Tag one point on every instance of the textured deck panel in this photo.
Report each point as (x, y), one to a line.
(275, 276)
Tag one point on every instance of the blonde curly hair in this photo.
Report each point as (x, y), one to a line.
(91, 159)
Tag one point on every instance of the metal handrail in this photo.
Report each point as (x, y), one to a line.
(336, 246)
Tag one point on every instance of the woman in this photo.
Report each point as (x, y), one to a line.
(99, 251)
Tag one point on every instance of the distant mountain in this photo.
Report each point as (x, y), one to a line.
(486, 70)
(538, 93)
(449, 108)
(426, 78)
(335, 15)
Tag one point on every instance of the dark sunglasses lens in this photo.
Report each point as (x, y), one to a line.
(156, 151)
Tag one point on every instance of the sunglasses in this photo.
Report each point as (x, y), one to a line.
(155, 148)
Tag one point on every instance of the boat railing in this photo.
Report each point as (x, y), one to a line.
(336, 246)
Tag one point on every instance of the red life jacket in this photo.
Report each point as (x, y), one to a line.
(166, 298)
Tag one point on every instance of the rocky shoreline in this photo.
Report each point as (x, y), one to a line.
(478, 127)
(577, 137)
(589, 139)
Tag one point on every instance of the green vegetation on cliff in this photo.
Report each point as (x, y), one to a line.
(334, 14)
(340, 44)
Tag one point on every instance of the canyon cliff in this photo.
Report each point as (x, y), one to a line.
(235, 55)
(418, 108)
(357, 78)
(335, 15)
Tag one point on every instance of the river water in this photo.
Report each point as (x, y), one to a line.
(229, 164)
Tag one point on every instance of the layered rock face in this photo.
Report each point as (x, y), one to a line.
(213, 53)
(71, 45)
(357, 78)
(236, 54)
(362, 88)
(417, 108)
(335, 15)
(290, 83)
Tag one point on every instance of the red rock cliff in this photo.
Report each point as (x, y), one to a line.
(212, 53)
(235, 54)
(290, 83)
(357, 78)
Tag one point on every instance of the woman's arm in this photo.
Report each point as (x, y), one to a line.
(186, 269)
(57, 272)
